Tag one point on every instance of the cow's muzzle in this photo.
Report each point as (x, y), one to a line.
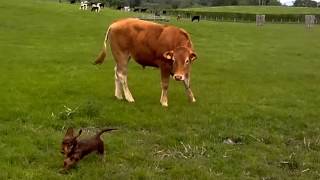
(178, 77)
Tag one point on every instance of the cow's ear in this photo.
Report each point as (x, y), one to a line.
(193, 56)
(168, 55)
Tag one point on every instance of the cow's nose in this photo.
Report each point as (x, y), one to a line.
(177, 77)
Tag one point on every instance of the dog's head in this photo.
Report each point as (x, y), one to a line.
(69, 142)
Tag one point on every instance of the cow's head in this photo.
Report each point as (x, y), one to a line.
(181, 58)
(69, 141)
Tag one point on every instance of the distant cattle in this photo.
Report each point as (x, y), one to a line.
(101, 5)
(149, 44)
(136, 10)
(194, 18)
(95, 8)
(143, 10)
(72, 1)
(126, 8)
(119, 7)
(178, 17)
(84, 5)
(164, 12)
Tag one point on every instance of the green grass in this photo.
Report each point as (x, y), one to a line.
(259, 9)
(255, 85)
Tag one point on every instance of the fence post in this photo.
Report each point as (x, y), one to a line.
(310, 20)
(260, 20)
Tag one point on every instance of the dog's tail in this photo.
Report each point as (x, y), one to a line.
(103, 52)
(105, 130)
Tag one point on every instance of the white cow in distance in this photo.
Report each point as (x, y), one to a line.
(126, 8)
(96, 7)
(84, 5)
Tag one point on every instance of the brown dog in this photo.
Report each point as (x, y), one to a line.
(74, 149)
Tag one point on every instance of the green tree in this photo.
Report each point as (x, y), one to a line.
(134, 3)
(117, 2)
(305, 3)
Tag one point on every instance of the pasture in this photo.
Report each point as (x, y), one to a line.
(256, 115)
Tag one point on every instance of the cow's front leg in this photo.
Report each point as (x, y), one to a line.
(164, 87)
(189, 92)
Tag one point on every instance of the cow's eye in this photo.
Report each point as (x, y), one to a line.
(187, 61)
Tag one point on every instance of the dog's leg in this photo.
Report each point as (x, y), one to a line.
(100, 151)
(70, 162)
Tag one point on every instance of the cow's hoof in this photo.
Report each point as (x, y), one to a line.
(119, 97)
(193, 100)
(130, 100)
(165, 104)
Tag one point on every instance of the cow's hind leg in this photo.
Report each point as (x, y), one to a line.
(118, 88)
(121, 74)
(189, 92)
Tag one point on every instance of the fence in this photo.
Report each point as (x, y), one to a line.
(244, 17)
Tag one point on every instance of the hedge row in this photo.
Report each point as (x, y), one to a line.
(243, 17)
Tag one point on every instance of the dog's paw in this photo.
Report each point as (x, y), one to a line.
(63, 171)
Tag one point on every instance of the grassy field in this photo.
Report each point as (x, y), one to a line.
(260, 9)
(257, 87)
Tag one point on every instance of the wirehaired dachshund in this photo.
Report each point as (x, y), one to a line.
(75, 149)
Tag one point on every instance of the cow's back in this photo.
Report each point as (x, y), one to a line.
(146, 41)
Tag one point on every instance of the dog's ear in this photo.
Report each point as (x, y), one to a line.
(79, 133)
(69, 132)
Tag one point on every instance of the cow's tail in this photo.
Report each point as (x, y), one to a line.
(103, 52)
(104, 130)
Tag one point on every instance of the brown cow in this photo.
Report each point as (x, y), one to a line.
(166, 47)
